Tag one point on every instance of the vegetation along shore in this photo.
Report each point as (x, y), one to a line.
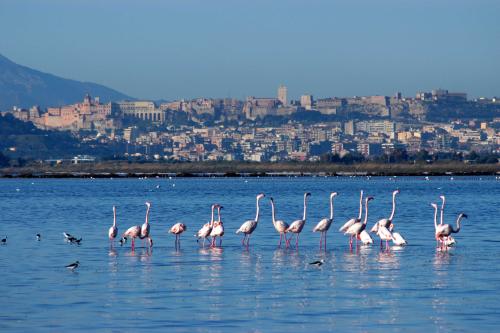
(237, 169)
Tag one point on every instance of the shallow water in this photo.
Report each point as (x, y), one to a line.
(264, 288)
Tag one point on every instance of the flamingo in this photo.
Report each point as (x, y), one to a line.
(218, 229)
(354, 219)
(145, 226)
(385, 235)
(445, 230)
(204, 232)
(132, 232)
(325, 223)
(249, 226)
(177, 229)
(297, 225)
(446, 241)
(388, 221)
(279, 225)
(398, 240)
(355, 229)
(113, 230)
(365, 238)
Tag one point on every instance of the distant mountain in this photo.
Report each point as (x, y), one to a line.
(24, 87)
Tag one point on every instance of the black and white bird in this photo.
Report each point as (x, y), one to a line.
(4, 240)
(317, 262)
(123, 240)
(67, 236)
(73, 266)
(38, 237)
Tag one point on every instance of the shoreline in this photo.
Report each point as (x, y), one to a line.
(236, 169)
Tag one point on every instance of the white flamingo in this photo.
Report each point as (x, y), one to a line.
(113, 230)
(398, 240)
(354, 220)
(297, 225)
(325, 223)
(249, 226)
(355, 229)
(279, 225)
(145, 229)
(205, 231)
(218, 229)
(365, 238)
(385, 235)
(387, 221)
(445, 230)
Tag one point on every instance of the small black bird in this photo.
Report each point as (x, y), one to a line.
(77, 241)
(4, 240)
(123, 240)
(73, 266)
(38, 237)
(317, 262)
(67, 236)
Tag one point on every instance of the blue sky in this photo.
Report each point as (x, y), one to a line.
(218, 48)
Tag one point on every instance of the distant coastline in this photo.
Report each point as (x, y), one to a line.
(123, 169)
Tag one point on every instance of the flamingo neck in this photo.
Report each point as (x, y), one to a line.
(272, 212)
(442, 211)
(218, 212)
(331, 207)
(147, 216)
(366, 212)
(435, 217)
(360, 206)
(305, 208)
(258, 210)
(393, 206)
(114, 217)
(212, 219)
(459, 219)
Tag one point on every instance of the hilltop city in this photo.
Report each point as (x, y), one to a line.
(278, 129)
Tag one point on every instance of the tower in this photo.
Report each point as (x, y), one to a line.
(282, 91)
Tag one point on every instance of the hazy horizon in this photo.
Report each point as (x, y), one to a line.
(192, 48)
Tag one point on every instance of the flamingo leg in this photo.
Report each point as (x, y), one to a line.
(220, 241)
(324, 240)
(133, 244)
(281, 236)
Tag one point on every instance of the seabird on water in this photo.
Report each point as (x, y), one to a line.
(73, 266)
(123, 240)
(38, 237)
(317, 262)
(67, 236)
(4, 240)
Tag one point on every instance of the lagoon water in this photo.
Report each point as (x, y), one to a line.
(262, 289)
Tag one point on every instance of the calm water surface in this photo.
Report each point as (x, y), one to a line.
(264, 289)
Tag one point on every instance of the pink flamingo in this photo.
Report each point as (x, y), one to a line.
(132, 232)
(113, 230)
(177, 229)
(443, 231)
(297, 226)
(387, 222)
(218, 229)
(325, 223)
(355, 229)
(205, 231)
(249, 226)
(279, 225)
(353, 220)
(145, 229)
